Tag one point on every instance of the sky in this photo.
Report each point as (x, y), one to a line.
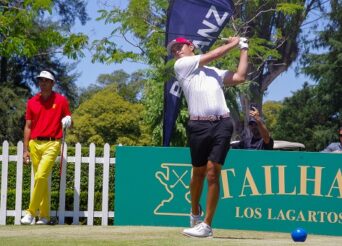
(283, 86)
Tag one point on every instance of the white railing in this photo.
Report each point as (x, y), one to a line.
(76, 160)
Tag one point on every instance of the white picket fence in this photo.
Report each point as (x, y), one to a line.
(76, 160)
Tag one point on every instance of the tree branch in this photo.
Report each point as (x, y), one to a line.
(134, 45)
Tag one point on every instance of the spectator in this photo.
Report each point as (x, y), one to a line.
(335, 147)
(259, 138)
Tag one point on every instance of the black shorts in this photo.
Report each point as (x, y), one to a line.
(209, 140)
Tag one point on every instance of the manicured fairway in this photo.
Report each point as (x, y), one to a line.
(129, 235)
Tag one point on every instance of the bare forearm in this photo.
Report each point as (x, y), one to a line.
(241, 74)
(243, 65)
(27, 133)
(219, 51)
(263, 132)
(26, 153)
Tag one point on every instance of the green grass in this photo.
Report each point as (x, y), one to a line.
(129, 235)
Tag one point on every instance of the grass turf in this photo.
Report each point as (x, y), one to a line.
(142, 235)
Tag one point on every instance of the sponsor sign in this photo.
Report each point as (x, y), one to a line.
(260, 190)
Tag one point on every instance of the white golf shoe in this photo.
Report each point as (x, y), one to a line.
(42, 221)
(200, 230)
(28, 219)
(196, 219)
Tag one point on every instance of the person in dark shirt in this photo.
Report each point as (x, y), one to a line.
(335, 147)
(259, 138)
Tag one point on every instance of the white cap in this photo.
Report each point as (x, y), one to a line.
(47, 75)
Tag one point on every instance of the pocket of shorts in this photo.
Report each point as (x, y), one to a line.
(189, 126)
(228, 123)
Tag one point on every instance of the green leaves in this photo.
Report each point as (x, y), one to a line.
(140, 26)
(32, 38)
(107, 118)
(74, 45)
(12, 109)
(290, 8)
(27, 31)
(39, 4)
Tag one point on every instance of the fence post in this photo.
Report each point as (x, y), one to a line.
(4, 176)
(105, 182)
(62, 180)
(19, 184)
(91, 184)
(91, 161)
(77, 184)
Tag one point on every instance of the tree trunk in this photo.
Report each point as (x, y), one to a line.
(3, 70)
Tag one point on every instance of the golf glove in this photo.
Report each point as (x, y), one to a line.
(66, 122)
(243, 44)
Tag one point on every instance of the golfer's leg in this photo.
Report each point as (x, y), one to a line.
(213, 175)
(47, 162)
(35, 159)
(196, 187)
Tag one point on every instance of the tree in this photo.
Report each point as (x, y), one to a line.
(130, 87)
(325, 67)
(313, 114)
(271, 111)
(12, 110)
(302, 120)
(33, 36)
(107, 118)
(273, 27)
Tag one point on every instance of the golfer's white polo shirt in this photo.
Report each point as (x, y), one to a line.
(202, 87)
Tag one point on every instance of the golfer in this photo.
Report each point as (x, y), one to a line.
(210, 127)
(46, 114)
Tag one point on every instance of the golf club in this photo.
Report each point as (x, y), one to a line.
(188, 35)
(55, 220)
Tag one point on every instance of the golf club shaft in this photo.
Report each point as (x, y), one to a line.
(62, 150)
(193, 35)
(60, 172)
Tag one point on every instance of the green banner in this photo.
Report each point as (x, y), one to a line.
(260, 190)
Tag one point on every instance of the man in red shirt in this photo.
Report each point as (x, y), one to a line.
(46, 114)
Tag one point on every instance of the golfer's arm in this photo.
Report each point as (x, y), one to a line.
(217, 53)
(27, 133)
(240, 75)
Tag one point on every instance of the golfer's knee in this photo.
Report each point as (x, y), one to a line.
(198, 175)
(40, 179)
(213, 178)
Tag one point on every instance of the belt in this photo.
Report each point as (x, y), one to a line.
(46, 139)
(210, 117)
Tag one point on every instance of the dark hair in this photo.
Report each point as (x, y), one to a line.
(253, 105)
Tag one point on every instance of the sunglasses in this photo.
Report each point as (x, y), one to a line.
(340, 135)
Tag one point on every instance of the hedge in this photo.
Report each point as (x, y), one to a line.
(69, 185)
(69, 204)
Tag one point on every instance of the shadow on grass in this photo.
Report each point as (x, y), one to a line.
(237, 238)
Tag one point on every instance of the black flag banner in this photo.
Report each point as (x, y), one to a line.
(200, 21)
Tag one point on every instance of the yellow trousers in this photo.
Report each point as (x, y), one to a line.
(43, 155)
